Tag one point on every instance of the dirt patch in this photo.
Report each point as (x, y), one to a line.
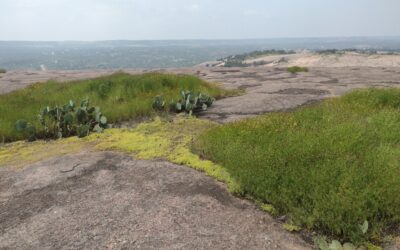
(330, 81)
(226, 71)
(113, 201)
(246, 86)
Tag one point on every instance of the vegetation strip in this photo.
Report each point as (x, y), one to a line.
(121, 97)
(330, 168)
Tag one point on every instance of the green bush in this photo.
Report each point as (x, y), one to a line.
(297, 69)
(121, 97)
(329, 167)
(3, 71)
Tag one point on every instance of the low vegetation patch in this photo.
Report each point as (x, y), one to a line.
(121, 97)
(333, 167)
(297, 69)
(3, 71)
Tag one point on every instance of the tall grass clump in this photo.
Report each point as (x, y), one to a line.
(329, 167)
(121, 97)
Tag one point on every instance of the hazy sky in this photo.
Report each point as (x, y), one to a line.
(195, 19)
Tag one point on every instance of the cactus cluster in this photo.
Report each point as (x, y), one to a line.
(65, 121)
(190, 102)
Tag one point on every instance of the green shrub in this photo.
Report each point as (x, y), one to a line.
(297, 69)
(329, 167)
(121, 97)
(3, 71)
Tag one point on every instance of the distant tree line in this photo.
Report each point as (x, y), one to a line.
(239, 60)
(359, 51)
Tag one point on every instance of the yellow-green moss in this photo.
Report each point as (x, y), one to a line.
(269, 209)
(21, 153)
(291, 227)
(170, 140)
(371, 246)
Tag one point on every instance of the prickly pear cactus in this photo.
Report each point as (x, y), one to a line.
(65, 121)
(189, 102)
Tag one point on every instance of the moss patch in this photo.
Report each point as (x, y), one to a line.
(291, 228)
(165, 140)
(20, 154)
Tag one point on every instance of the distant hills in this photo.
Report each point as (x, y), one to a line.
(162, 54)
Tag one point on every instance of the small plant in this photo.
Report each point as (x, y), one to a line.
(27, 129)
(69, 120)
(159, 103)
(191, 102)
(297, 69)
(323, 244)
(3, 71)
(364, 227)
(269, 209)
(104, 89)
(291, 227)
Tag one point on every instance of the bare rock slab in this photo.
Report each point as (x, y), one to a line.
(110, 201)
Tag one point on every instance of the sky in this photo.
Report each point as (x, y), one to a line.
(89, 20)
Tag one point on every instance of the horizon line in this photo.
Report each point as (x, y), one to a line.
(210, 39)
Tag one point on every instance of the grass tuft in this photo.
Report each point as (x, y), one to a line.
(329, 167)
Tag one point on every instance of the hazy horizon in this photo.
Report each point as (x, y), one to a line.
(208, 39)
(161, 20)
